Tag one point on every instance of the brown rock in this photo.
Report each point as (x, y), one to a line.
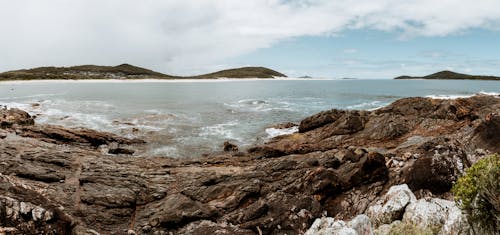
(10, 117)
(230, 147)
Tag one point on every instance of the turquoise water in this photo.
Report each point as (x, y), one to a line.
(186, 119)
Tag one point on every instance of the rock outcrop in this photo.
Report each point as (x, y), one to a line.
(339, 165)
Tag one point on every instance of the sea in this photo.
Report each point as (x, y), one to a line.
(188, 118)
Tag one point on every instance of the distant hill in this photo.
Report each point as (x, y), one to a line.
(244, 72)
(452, 76)
(126, 71)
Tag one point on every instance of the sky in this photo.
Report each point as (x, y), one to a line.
(319, 38)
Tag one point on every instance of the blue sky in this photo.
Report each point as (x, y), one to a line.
(322, 38)
(381, 54)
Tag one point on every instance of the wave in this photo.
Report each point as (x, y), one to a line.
(456, 96)
(221, 130)
(257, 105)
(274, 132)
(373, 105)
(31, 96)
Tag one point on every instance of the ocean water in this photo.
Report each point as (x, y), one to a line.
(187, 119)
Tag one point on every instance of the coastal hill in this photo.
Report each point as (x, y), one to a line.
(449, 75)
(245, 72)
(126, 71)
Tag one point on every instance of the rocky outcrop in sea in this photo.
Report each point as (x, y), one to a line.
(356, 171)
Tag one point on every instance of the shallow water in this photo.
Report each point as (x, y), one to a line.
(186, 119)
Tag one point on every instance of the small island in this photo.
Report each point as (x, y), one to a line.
(449, 75)
(125, 72)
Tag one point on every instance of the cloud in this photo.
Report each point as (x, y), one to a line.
(192, 36)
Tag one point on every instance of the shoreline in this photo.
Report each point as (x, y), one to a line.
(162, 80)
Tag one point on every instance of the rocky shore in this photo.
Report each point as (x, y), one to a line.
(345, 172)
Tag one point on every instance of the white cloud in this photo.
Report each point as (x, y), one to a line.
(192, 36)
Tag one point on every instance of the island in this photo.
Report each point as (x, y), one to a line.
(126, 71)
(449, 75)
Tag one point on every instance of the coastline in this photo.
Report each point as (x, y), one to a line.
(162, 80)
(342, 162)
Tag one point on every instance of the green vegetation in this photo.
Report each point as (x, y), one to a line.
(477, 193)
(411, 229)
(245, 72)
(452, 76)
(126, 71)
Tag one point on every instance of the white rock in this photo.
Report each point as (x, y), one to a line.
(329, 226)
(435, 212)
(425, 213)
(456, 223)
(26, 207)
(392, 205)
(361, 224)
(37, 213)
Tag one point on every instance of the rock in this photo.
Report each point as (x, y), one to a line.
(320, 119)
(285, 125)
(13, 116)
(436, 213)
(360, 225)
(229, 147)
(328, 226)
(177, 210)
(487, 134)
(115, 148)
(61, 135)
(392, 205)
(456, 223)
(336, 165)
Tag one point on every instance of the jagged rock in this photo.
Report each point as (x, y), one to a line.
(329, 226)
(392, 205)
(285, 125)
(320, 119)
(10, 117)
(115, 148)
(359, 225)
(230, 147)
(336, 165)
(61, 135)
(436, 213)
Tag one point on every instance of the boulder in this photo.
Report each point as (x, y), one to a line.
(10, 117)
(359, 225)
(230, 147)
(438, 214)
(392, 205)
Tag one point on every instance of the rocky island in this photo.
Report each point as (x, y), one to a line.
(449, 75)
(344, 172)
(126, 71)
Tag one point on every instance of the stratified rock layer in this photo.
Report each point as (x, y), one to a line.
(339, 164)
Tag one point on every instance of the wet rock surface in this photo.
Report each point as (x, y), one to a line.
(56, 180)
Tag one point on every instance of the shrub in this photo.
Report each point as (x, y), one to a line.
(477, 193)
(412, 229)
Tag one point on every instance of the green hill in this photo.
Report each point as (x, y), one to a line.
(244, 72)
(126, 71)
(449, 75)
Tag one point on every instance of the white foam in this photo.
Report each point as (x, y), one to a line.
(273, 132)
(166, 151)
(222, 130)
(447, 97)
(373, 105)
